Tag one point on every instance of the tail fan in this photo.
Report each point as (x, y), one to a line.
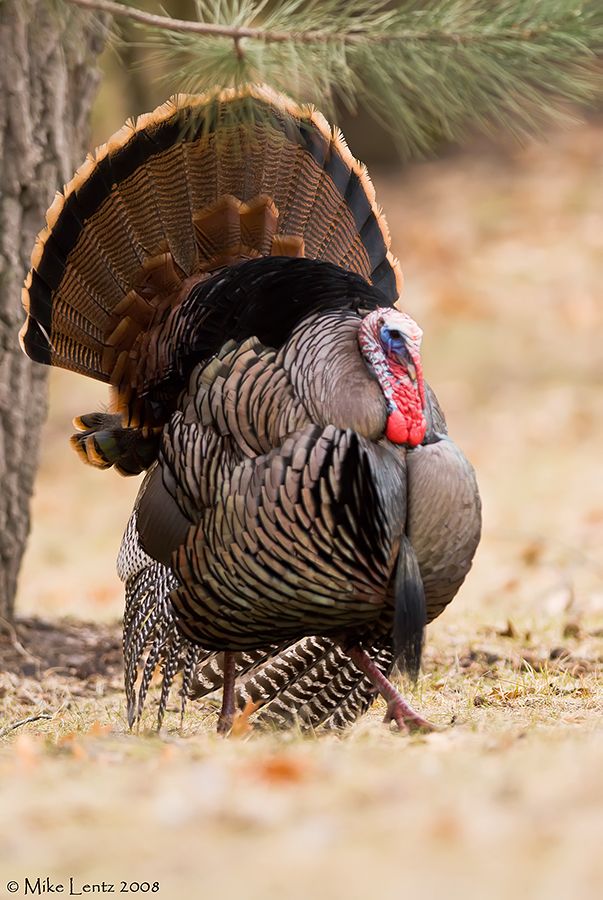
(173, 197)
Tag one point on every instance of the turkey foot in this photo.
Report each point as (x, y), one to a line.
(405, 717)
(227, 712)
(398, 710)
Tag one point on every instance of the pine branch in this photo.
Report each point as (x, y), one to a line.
(353, 34)
(424, 70)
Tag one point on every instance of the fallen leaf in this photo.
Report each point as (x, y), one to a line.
(499, 695)
(78, 751)
(98, 730)
(446, 827)
(281, 769)
(168, 753)
(27, 752)
(532, 553)
(241, 724)
(571, 630)
(511, 584)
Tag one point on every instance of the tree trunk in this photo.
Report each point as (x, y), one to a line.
(48, 80)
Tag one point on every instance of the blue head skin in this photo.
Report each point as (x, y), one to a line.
(394, 345)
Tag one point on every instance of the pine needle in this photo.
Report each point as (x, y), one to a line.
(425, 71)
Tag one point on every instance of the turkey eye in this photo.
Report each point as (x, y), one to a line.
(392, 338)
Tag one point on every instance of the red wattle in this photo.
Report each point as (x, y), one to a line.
(396, 430)
(417, 433)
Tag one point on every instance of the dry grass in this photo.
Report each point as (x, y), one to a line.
(503, 258)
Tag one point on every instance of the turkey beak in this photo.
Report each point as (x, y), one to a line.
(412, 371)
(406, 361)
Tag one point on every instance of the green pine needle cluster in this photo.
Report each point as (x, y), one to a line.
(426, 71)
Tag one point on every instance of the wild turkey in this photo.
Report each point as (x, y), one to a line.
(222, 264)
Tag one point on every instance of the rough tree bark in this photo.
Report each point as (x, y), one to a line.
(48, 79)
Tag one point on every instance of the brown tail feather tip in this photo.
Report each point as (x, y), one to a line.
(87, 452)
(79, 425)
(54, 210)
(77, 443)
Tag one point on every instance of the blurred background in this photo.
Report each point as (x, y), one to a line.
(502, 250)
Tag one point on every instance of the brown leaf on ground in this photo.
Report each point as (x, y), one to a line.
(446, 828)
(531, 553)
(281, 769)
(500, 696)
(99, 730)
(27, 751)
(241, 724)
(571, 629)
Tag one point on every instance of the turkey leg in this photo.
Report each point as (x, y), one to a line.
(227, 712)
(398, 709)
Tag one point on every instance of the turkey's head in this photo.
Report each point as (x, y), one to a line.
(390, 343)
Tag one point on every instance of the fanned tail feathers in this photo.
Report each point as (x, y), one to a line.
(171, 198)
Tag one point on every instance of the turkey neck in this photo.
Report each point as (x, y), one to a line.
(330, 376)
